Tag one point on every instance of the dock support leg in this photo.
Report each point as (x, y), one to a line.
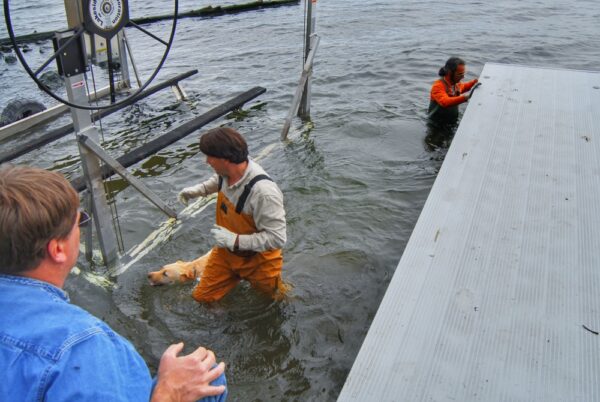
(304, 110)
(304, 78)
(82, 122)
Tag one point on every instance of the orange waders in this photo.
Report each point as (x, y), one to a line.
(449, 113)
(225, 268)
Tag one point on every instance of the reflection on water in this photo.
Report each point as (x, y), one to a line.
(354, 182)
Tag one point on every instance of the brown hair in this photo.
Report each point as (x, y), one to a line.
(451, 65)
(36, 206)
(224, 143)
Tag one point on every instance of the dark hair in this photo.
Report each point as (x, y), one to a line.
(36, 206)
(224, 143)
(451, 65)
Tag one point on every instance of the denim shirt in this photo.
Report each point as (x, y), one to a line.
(52, 350)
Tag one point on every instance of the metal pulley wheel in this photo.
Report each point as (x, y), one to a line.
(104, 18)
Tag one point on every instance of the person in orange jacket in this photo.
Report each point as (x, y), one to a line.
(250, 225)
(448, 92)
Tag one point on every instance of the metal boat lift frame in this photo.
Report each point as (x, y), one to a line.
(92, 153)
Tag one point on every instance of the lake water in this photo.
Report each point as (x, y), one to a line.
(354, 184)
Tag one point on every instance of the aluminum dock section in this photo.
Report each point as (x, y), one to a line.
(497, 294)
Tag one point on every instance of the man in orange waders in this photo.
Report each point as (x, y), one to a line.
(448, 92)
(250, 227)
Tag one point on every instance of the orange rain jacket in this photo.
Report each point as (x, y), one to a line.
(445, 98)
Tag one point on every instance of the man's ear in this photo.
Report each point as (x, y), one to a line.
(56, 250)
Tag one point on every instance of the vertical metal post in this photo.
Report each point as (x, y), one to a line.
(304, 110)
(125, 79)
(125, 43)
(73, 13)
(82, 123)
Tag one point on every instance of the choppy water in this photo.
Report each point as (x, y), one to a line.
(354, 185)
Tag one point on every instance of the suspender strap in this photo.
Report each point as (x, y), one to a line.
(247, 188)
(455, 91)
(220, 182)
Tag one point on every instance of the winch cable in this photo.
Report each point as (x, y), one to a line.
(111, 202)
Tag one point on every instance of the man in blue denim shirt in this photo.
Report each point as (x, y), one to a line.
(51, 350)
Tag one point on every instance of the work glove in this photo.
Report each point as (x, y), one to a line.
(223, 237)
(470, 93)
(191, 192)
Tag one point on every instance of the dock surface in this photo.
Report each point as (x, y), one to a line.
(497, 294)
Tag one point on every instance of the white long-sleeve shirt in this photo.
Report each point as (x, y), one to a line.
(264, 204)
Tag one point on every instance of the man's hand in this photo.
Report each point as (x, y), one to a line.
(191, 192)
(223, 237)
(187, 378)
